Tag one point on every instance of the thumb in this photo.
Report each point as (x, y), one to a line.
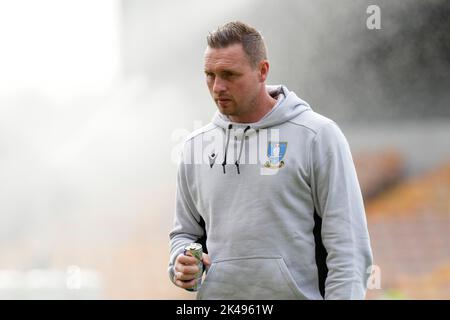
(206, 260)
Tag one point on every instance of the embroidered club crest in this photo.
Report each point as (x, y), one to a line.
(275, 153)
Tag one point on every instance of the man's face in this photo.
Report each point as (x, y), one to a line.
(231, 80)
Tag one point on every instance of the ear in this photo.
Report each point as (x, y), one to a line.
(263, 70)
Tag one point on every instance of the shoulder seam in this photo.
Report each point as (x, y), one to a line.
(302, 125)
(314, 130)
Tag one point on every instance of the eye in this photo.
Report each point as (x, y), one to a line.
(209, 75)
(227, 74)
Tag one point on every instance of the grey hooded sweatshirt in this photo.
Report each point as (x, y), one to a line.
(277, 204)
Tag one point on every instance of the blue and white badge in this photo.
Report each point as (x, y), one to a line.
(275, 153)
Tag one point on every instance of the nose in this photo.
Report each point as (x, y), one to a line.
(218, 86)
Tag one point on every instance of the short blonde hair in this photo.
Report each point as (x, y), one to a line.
(239, 32)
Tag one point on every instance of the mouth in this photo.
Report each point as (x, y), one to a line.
(222, 100)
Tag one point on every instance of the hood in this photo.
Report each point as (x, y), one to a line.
(286, 109)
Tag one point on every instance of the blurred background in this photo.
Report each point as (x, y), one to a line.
(96, 97)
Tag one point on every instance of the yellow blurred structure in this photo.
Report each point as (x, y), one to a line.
(409, 225)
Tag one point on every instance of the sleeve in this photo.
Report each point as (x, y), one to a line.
(338, 201)
(187, 222)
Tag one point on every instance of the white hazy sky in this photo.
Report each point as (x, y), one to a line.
(58, 48)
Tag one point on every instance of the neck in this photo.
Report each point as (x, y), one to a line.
(262, 105)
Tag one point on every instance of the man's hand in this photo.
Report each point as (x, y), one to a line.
(186, 268)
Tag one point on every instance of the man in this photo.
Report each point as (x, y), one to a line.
(290, 225)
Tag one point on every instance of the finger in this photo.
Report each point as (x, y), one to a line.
(186, 259)
(185, 284)
(183, 276)
(193, 269)
(206, 260)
